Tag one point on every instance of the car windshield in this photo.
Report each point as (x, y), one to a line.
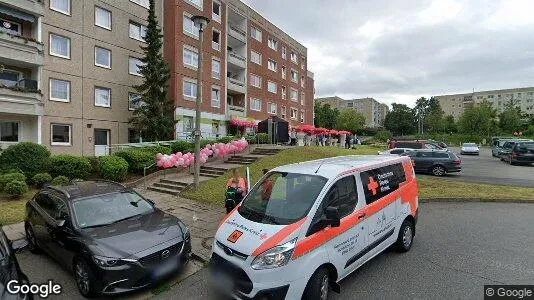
(469, 145)
(527, 146)
(107, 209)
(282, 198)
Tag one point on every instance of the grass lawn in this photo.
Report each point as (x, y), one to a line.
(13, 210)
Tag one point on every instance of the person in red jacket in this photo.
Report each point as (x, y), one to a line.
(236, 189)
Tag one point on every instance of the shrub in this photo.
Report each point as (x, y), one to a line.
(40, 179)
(137, 159)
(204, 142)
(16, 188)
(383, 135)
(70, 166)
(225, 139)
(30, 158)
(60, 180)
(263, 138)
(95, 164)
(113, 168)
(157, 149)
(182, 146)
(9, 177)
(251, 139)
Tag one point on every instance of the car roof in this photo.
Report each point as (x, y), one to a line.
(333, 167)
(430, 150)
(82, 189)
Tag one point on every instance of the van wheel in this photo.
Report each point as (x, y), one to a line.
(318, 286)
(438, 171)
(406, 234)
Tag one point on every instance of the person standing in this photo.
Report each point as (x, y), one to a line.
(237, 187)
(293, 137)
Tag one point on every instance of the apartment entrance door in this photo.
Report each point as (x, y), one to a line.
(102, 142)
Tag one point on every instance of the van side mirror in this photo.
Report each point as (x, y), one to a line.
(332, 216)
(19, 245)
(60, 223)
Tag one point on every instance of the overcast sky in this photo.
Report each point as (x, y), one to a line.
(399, 50)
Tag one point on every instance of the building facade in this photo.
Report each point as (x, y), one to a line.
(251, 68)
(373, 111)
(454, 105)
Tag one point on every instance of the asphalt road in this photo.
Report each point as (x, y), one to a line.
(458, 248)
(487, 169)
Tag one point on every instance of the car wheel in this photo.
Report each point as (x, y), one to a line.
(405, 238)
(438, 171)
(32, 241)
(318, 286)
(84, 278)
(511, 162)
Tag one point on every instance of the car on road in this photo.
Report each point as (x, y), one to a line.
(414, 144)
(498, 145)
(469, 148)
(394, 151)
(111, 238)
(318, 222)
(518, 153)
(435, 162)
(9, 267)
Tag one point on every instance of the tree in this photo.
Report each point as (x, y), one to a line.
(349, 120)
(433, 121)
(325, 116)
(154, 117)
(401, 120)
(449, 124)
(510, 119)
(420, 110)
(478, 120)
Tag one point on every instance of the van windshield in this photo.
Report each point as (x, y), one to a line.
(282, 198)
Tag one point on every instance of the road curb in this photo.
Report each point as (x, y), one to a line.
(199, 258)
(459, 200)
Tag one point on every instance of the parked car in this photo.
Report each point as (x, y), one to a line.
(435, 162)
(498, 145)
(394, 151)
(519, 153)
(414, 144)
(469, 148)
(9, 267)
(110, 237)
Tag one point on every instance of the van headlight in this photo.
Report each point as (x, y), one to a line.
(275, 257)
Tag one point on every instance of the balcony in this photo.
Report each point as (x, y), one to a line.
(22, 98)
(236, 85)
(237, 33)
(237, 60)
(20, 48)
(34, 7)
(237, 111)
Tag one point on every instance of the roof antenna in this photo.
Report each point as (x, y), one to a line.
(318, 168)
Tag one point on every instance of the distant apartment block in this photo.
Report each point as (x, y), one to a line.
(373, 111)
(454, 105)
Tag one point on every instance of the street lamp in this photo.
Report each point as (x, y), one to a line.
(201, 23)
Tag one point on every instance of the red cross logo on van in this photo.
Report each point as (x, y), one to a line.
(372, 185)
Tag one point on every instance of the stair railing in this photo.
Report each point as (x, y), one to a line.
(144, 173)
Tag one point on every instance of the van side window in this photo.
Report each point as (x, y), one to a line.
(380, 182)
(45, 202)
(344, 196)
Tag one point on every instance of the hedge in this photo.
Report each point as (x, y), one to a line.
(182, 146)
(10, 177)
(16, 188)
(30, 158)
(225, 139)
(70, 166)
(113, 168)
(40, 179)
(137, 159)
(60, 180)
(263, 138)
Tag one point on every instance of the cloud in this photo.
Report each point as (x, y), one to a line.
(398, 51)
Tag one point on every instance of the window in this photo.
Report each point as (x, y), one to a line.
(190, 89)
(134, 101)
(382, 181)
(216, 41)
(255, 104)
(294, 57)
(197, 3)
(283, 112)
(302, 96)
(294, 76)
(301, 116)
(216, 8)
(284, 53)
(302, 81)
(255, 33)
(59, 90)
(271, 108)
(294, 95)
(302, 66)
(137, 31)
(271, 65)
(271, 87)
(350, 104)
(189, 27)
(294, 113)
(133, 66)
(255, 57)
(10, 27)
(59, 46)
(60, 135)
(143, 3)
(188, 124)
(255, 81)
(283, 72)
(273, 44)
(102, 18)
(102, 97)
(134, 136)
(62, 6)
(284, 92)
(102, 58)
(343, 196)
(215, 97)
(190, 58)
(9, 131)
(215, 68)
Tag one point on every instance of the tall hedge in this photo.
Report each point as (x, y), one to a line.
(113, 168)
(138, 159)
(72, 167)
(30, 158)
(182, 146)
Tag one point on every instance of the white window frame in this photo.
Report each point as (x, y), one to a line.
(194, 35)
(110, 18)
(109, 54)
(140, 3)
(216, 46)
(109, 96)
(200, 5)
(284, 92)
(271, 84)
(190, 97)
(192, 50)
(213, 74)
(253, 100)
(214, 16)
(296, 78)
(291, 95)
(212, 100)
(258, 36)
(296, 56)
(130, 107)
(50, 46)
(284, 72)
(140, 64)
(302, 113)
(61, 11)
(252, 81)
(302, 98)
(259, 56)
(52, 135)
(296, 113)
(140, 27)
(283, 112)
(302, 81)
(272, 65)
(192, 123)
(50, 91)
(271, 111)
(272, 43)
(284, 52)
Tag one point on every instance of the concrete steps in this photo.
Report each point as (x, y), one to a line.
(266, 151)
(168, 186)
(241, 160)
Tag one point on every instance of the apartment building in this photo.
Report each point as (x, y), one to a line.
(251, 68)
(373, 111)
(454, 105)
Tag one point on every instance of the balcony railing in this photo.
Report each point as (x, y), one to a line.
(238, 33)
(237, 56)
(237, 60)
(236, 85)
(21, 48)
(24, 85)
(234, 110)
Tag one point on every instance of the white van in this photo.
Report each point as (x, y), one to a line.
(306, 226)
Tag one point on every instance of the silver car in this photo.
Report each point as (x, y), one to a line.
(469, 148)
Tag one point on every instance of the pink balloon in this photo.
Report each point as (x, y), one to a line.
(179, 154)
(158, 156)
(159, 163)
